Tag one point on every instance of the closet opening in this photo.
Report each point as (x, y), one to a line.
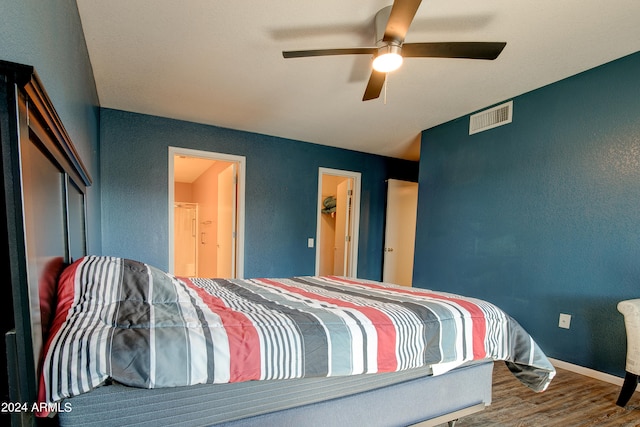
(337, 223)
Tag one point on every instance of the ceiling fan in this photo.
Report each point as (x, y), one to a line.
(391, 25)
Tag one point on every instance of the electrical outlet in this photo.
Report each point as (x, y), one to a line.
(565, 321)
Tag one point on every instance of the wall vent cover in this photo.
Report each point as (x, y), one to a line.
(491, 118)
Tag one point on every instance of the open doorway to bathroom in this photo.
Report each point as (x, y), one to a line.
(206, 214)
(338, 222)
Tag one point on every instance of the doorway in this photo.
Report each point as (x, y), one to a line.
(338, 222)
(206, 215)
(400, 232)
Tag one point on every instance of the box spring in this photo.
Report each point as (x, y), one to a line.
(400, 398)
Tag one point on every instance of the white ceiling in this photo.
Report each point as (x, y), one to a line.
(220, 62)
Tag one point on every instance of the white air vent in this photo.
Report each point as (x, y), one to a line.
(491, 118)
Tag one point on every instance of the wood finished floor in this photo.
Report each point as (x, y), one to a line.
(572, 400)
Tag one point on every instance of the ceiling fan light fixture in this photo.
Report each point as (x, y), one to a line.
(390, 27)
(388, 59)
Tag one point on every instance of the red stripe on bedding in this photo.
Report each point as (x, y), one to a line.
(385, 329)
(65, 295)
(479, 324)
(244, 343)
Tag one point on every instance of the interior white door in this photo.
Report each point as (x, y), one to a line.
(400, 232)
(226, 231)
(186, 247)
(342, 249)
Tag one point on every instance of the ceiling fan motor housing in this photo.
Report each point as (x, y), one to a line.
(381, 20)
(388, 57)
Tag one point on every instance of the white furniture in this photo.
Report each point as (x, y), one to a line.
(631, 311)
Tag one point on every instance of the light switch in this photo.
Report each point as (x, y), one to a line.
(565, 321)
(310, 242)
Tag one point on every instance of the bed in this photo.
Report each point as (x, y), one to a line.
(101, 340)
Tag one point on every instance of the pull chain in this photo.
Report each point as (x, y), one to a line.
(386, 79)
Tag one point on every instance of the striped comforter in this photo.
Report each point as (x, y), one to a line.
(129, 322)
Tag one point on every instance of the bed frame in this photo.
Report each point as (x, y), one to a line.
(44, 194)
(44, 184)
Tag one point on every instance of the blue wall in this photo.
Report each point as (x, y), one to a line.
(281, 192)
(48, 35)
(542, 216)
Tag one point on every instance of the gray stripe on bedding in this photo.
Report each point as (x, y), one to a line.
(205, 331)
(134, 304)
(432, 316)
(314, 339)
(338, 332)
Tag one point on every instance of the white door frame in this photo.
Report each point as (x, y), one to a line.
(241, 161)
(355, 224)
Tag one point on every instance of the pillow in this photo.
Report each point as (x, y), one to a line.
(47, 290)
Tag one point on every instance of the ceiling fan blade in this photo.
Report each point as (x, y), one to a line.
(374, 87)
(328, 52)
(400, 18)
(469, 50)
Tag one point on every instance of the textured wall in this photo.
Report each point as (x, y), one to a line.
(48, 35)
(542, 216)
(281, 192)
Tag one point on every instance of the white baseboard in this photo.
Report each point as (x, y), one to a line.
(592, 373)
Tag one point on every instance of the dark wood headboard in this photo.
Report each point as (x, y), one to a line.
(44, 194)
